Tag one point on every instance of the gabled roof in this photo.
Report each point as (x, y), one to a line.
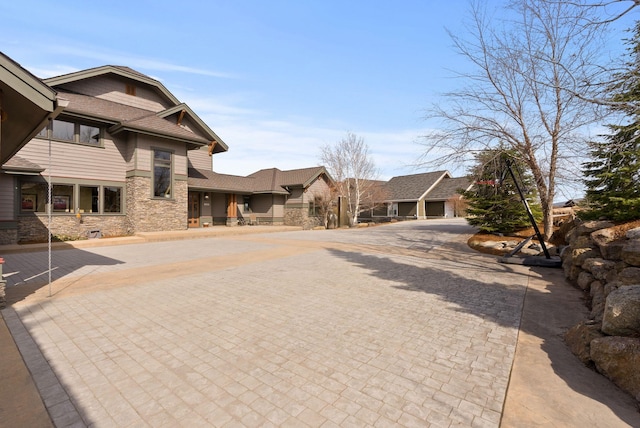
(449, 187)
(127, 118)
(414, 187)
(272, 180)
(125, 72)
(208, 180)
(19, 165)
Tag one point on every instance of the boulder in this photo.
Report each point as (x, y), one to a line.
(598, 267)
(612, 250)
(588, 227)
(633, 233)
(580, 255)
(631, 252)
(629, 276)
(618, 358)
(604, 236)
(611, 286)
(584, 280)
(579, 338)
(622, 312)
(598, 300)
(582, 241)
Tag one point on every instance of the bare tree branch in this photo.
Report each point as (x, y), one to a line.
(529, 67)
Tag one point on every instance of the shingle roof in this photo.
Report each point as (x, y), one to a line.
(125, 117)
(17, 163)
(448, 187)
(209, 180)
(270, 180)
(412, 187)
(273, 179)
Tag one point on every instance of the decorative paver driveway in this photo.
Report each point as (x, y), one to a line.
(396, 325)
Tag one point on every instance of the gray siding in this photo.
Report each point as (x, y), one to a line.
(7, 201)
(262, 205)
(78, 161)
(297, 196)
(200, 158)
(144, 154)
(317, 188)
(113, 88)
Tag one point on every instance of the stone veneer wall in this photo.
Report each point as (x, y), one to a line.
(300, 217)
(146, 214)
(68, 227)
(604, 261)
(8, 236)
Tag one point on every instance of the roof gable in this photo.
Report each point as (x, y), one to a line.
(106, 100)
(274, 179)
(414, 187)
(448, 187)
(121, 71)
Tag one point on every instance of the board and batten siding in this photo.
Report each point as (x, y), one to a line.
(113, 88)
(7, 200)
(200, 159)
(78, 161)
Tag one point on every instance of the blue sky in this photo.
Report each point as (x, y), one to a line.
(274, 79)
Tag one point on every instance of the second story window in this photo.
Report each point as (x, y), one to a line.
(162, 174)
(63, 130)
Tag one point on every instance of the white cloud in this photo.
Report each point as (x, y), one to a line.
(133, 61)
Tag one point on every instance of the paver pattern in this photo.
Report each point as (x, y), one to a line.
(396, 325)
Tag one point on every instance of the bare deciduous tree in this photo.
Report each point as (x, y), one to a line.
(528, 67)
(351, 167)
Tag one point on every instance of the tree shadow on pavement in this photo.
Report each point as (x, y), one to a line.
(476, 284)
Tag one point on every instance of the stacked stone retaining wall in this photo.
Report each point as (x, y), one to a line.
(603, 260)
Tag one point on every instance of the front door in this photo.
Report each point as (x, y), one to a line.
(194, 209)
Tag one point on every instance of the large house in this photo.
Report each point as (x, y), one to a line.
(124, 155)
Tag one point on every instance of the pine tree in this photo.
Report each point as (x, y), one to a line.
(494, 203)
(612, 176)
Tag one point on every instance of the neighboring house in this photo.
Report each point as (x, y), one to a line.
(268, 196)
(426, 195)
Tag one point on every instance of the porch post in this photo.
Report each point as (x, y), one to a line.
(232, 210)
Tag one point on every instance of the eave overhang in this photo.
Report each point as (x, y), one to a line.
(27, 105)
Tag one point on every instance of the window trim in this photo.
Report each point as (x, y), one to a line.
(44, 133)
(73, 199)
(171, 152)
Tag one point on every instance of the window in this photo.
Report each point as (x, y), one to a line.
(34, 197)
(62, 195)
(89, 135)
(162, 174)
(245, 206)
(89, 199)
(112, 199)
(73, 132)
(62, 130)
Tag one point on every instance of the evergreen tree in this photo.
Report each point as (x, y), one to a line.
(494, 203)
(612, 176)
